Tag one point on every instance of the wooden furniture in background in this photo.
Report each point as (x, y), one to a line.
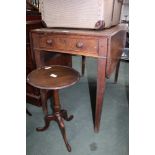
(54, 77)
(105, 45)
(32, 5)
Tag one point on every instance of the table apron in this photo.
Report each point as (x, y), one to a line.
(70, 52)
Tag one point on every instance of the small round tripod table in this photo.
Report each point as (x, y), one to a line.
(54, 78)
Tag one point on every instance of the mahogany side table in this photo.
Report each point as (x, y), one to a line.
(54, 77)
(104, 45)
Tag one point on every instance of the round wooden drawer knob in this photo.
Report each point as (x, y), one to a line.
(79, 45)
(49, 41)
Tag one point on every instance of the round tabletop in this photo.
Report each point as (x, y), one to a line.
(53, 77)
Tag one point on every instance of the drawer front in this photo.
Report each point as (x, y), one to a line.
(62, 43)
(87, 45)
(52, 42)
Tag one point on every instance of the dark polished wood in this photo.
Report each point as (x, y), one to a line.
(28, 113)
(117, 71)
(100, 91)
(59, 116)
(105, 45)
(54, 77)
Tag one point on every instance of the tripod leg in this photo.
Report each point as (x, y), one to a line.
(47, 119)
(63, 132)
(65, 115)
(28, 113)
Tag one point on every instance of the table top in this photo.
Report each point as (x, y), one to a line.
(106, 32)
(53, 77)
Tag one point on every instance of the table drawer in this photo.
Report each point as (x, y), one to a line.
(76, 44)
(52, 42)
(87, 45)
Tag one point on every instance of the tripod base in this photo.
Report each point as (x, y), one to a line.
(59, 117)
